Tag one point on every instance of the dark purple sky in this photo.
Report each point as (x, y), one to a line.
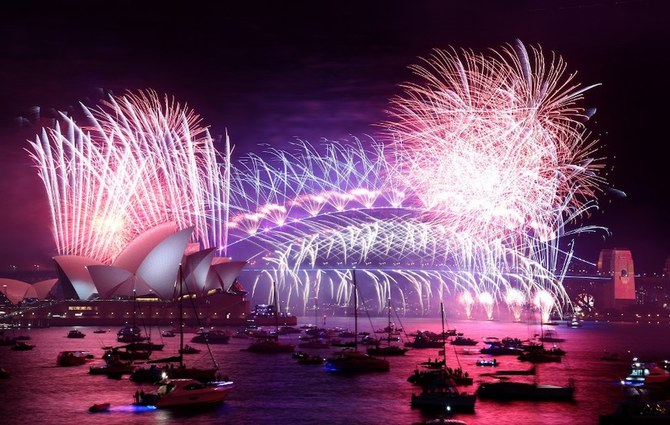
(272, 71)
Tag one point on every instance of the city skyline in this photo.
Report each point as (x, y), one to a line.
(264, 81)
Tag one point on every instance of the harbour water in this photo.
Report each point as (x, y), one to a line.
(274, 389)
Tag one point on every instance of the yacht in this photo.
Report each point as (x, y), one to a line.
(646, 373)
(75, 333)
(175, 393)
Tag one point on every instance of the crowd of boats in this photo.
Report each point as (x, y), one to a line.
(440, 385)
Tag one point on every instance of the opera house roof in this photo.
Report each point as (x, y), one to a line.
(148, 265)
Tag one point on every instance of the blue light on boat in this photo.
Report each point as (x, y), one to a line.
(132, 408)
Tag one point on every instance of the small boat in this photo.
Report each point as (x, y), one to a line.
(149, 375)
(304, 358)
(99, 407)
(429, 377)
(176, 393)
(22, 346)
(499, 349)
(509, 390)
(388, 350)
(168, 334)
(551, 336)
(350, 361)
(433, 364)
(461, 340)
(488, 362)
(426, 340)
(270, 345)
(76, 333)
(213, 336)
(189, 350)
(113, 367)
(100, 331)
(73, 358)
(439, 397)
(125, 353)
(130, 334)
(316, 343)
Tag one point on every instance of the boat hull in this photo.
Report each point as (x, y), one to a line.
(525, 391)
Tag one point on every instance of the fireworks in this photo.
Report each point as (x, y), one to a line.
(138, 162)
(489, 161)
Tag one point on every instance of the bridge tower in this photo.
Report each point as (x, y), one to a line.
(620, 291)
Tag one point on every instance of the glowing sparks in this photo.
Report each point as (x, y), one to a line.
(489, 161)
(138, 162)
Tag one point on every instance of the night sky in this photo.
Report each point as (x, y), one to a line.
(271, 72)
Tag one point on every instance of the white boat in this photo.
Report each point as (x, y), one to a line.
(174, 393)
(646, 373)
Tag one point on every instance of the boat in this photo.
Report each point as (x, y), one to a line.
(76, 333)
(180, 371)
(574, 322)
(639, 410)
(100, 331)
(510, 390)
(22, 346)
(646, 373)
(99, 407)
(178, 393)
(189, 350)
(487, 362)
(73, 358)
(304, 358)
(541, 356)
(316, 343)
(350, 360)
(388, 349)
(426, 340)
(113, 368)
(428, 377)
(212, 336)
(130, 334)
(270, 343)
(126, 352)
(168, 334)
(461, 340)
(551, 336)
(501, 349)
(145, 346)
(433, 364)
(4, 373)
(442, 394)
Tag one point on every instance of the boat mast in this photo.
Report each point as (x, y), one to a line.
(444, 338)
(353, 274)
(181, 317)
(274, 290)
(388, 326)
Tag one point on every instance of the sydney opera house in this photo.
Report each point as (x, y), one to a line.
(144, 282)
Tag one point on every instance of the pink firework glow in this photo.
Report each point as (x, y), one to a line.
(495, 144)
